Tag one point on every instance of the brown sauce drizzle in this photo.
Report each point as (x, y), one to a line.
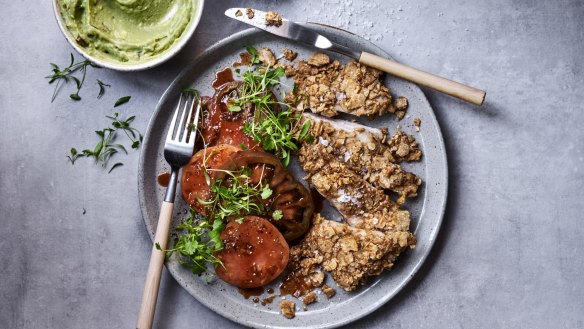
(222, 77)
(163, 179)
(296, 286)
(249, 292)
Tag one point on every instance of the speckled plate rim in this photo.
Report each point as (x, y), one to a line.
(414, 262)
(171, 52)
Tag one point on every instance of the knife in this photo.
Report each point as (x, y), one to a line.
(296, 32)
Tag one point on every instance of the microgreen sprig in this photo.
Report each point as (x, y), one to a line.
(198, 243)
(275, 125)
(236, 196)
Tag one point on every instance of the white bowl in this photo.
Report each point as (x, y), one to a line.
(120, 66)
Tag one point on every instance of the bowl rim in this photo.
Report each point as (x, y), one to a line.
(171, 52)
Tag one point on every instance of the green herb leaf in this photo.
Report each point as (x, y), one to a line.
(277, 214)
(266, 192)
(101, 88)
(75, 97)
(122, 100)
(117, 164)
(254, 54)
(304, 130)
(73, 156)
(233, 108)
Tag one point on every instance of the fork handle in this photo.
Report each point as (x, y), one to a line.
(148, 305)
(449, 87)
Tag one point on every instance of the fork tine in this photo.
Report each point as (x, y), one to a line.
(193, 133)
(180, 128)
(172, 126)
(188, 132)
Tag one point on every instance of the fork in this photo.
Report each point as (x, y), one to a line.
(178, 150)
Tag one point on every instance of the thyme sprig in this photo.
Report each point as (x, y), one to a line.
(101, 88)
(106, 146)
(67, 74)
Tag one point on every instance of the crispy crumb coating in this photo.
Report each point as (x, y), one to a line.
(364, 151)
(288, 308)
(350, 254)
(404, 147)
(327, 87)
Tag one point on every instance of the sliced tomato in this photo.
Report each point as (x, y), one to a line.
(194, 185)
(222, 126)
(255, 253)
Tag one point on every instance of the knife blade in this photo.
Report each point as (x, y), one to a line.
(291, 30)
(299, 33)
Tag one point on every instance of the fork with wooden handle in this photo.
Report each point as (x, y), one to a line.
(178, 150)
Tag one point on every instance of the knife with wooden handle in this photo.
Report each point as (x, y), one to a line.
(299, 33)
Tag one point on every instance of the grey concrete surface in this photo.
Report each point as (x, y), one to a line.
(510, 253)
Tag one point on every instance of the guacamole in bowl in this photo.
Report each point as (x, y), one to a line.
(128, 34)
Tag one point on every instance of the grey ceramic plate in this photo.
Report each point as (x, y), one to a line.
(426, 210)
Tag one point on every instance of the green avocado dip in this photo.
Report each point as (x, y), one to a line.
(127, 31)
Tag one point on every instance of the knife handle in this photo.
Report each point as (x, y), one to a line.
(449, 87)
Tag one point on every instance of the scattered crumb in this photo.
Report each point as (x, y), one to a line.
(309, 298)
(289, 54)
(250, 13)
(328, 291)
(244, 60)
(288, 308)
(417, 123)
(238, 13)
(273, 19)
(400, 105)
(319, 59)
(404, 147)
(288, 69)
(268, 300)
(266, 56)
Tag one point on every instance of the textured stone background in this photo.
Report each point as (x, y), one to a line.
(509, 253)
